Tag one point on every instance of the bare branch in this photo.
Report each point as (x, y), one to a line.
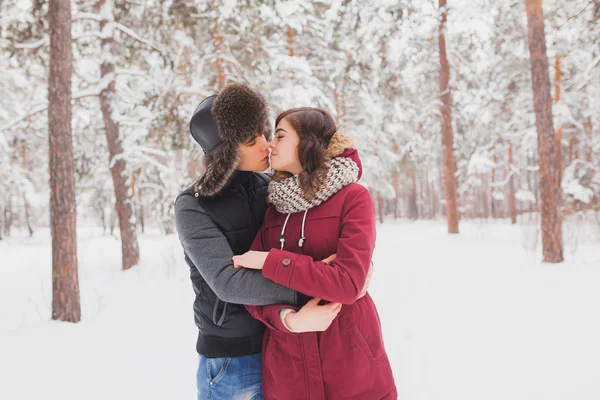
(576, 15)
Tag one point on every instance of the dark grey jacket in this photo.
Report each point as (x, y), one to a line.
(211, 231)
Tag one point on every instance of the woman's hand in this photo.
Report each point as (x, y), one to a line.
(313, 317)
(251, 260)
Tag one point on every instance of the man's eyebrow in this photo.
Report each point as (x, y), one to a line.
(252, 139)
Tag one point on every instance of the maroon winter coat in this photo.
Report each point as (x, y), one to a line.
(348, 360)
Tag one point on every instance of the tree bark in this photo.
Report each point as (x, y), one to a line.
(290, 40)
(485, 200)
(512, 203)
(395, 180)
(413, 212)
(27, 216)
(447, 138)
(542, 100)
(589, 128)
(142, 220)
(493, 180)
(380, 207)
(118, 165)
(63, 212)
(8, 214)
(559, 132)
(218, 43)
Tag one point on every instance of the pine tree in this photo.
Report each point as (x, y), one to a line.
(542, 101)
(447, 137)
(63, 212)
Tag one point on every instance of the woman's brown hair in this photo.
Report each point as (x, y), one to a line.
(315, 128)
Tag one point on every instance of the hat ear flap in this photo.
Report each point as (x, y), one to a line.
(220, 166)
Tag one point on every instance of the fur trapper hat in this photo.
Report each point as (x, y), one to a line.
(219, 124)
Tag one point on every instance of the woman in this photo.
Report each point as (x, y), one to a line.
(316, 210)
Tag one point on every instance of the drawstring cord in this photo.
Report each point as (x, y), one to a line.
(282, 234)
(302, 237)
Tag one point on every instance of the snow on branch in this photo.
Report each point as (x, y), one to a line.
(130, 32)
(89, 92)
(34, 111)
(87, 16)
(91, 34)
(96, 90)
(45, 41)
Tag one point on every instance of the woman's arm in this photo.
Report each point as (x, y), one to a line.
(341, 281)
(310, 318)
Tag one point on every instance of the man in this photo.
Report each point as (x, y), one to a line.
(217, 218)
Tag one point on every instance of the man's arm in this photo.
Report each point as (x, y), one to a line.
(209, 250)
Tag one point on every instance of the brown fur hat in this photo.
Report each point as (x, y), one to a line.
(240, 113)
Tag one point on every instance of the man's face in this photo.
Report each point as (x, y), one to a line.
(254, 154)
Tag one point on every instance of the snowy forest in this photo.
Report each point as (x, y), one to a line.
(374, 65)
(463, 111)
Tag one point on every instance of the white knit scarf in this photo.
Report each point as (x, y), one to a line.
(286, 195)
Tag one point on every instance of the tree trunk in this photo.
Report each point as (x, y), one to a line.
(218, 43)
(485, 200)
(542, 100)
(435, 200)
(142, 220)
(136, 194)
(447, 138)
(380, 207)
(559, 132)
(512, 203)
(531, 181)
(113, 219)
(493, 181)
(118, 165)
(8, 214)
(63, 212)
(413, 212)
(27, 217)
(427, 188)
(25, 202)
(589, 128)
(103, 217)
(395, 181)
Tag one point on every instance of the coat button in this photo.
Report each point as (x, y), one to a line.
(286, 262)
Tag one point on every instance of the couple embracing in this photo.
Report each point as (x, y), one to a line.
(280, 263)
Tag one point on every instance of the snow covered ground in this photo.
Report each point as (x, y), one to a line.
(474, 316)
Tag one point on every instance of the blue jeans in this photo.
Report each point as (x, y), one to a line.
(235, 378)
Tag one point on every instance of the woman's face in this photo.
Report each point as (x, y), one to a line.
(284, 154)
